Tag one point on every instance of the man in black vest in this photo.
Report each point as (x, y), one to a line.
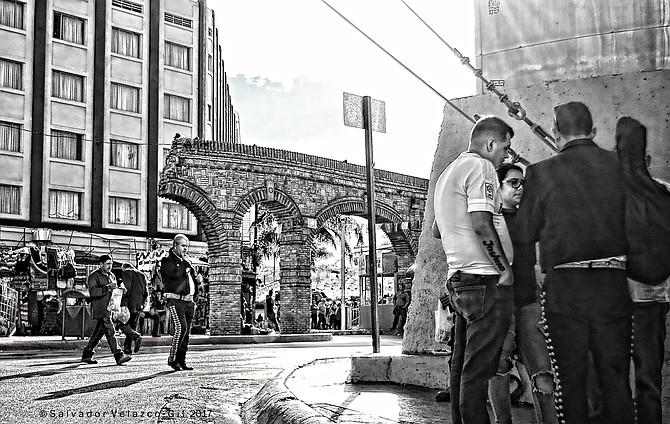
(136, 295)
(181, 286)
(574, 206)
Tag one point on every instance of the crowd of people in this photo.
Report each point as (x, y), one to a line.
(326, 314)
(489, 217)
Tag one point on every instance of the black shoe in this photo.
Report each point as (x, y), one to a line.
(185, 367)
(122, 359)
(443, 396)
(127, 351)
(89, 361)
(175, 366)
(138, 344)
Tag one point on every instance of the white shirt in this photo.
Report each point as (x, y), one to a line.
(469, 184)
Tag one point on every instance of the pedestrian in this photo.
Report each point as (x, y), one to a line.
(133, 299)
(333, 315)
(322, 324)
(402, 301)
(524, 333)
(574, 206)
(101, 283)
(478, 250)
(270, 309)
(156, 310)
(314, 311)
(181, 286)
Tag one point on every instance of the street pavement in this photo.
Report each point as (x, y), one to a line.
(52, 386)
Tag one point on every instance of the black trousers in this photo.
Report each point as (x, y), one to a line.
(103, 327)
(590, 311)
(181, 313)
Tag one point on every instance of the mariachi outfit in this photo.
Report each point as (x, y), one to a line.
(573, 205)
(180, 290)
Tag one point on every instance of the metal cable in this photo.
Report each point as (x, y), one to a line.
(459, 110)
(514, 109)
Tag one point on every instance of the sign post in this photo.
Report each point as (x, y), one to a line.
(363, 112)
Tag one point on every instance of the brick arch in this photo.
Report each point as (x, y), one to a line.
(196, 200)
(356, 206)
(280, 203)
(401, 240)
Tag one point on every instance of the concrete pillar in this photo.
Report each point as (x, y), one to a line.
(295, 281)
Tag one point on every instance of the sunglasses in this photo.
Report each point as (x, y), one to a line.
(515, 182)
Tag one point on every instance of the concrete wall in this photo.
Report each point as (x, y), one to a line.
(642, 96)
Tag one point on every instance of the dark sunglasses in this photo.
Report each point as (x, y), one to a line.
(515, 182)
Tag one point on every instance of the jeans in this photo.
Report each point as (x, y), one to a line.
(103, 327)
(648, 349)
(590, 310)
(483, 314)
(534, 354)
(182, 313)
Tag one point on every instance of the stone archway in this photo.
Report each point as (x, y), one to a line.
(219, 182)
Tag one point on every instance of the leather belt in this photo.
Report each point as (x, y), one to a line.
(595, 264)
(184, 297)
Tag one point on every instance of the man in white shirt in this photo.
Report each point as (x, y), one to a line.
(479, 252)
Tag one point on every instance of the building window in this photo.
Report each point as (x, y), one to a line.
(176, 217)
(125, 42)
(177, 108)
(66, 145)
(209, 113)
(124, 155)
(10, 199)
(210, 62)
(67, 86)
(178, 20)
(11, 74)
(10, 137)
(210, 32)
(64, 204)
(128, 5)
(68, 28)
(177, 56)
(125, 97)
(11, 13)
(123, 211)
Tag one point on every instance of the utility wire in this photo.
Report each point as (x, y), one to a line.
(468, 117)
(514, 109)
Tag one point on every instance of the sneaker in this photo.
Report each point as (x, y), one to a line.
(123, 359)
(138, 344)
(175, 366)
(89, 361)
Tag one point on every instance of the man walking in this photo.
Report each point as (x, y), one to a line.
(479, 251)
(270, 308)
(134, 298)
(401, 304)
(180, 285)
(574, 206)
(101, 282)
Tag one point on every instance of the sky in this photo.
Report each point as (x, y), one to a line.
(289, 62)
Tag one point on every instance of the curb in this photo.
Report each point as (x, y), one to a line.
(275, 404)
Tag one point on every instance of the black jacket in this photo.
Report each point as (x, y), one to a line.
(573, 204)
(174, 271)
(136, 295)
(100, 290)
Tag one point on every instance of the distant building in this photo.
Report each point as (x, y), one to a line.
(91, 95)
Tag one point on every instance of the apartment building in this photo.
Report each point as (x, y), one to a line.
(92, 92)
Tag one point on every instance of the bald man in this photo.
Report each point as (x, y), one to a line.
(181, 286)
(479, 252)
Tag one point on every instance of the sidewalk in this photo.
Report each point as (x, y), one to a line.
(319, 392)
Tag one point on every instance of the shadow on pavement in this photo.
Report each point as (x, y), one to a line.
(43, 373)
(101, 386)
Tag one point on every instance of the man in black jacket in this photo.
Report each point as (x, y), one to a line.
(101, 282)
(181, 286)
(574, 206)
(136, 295)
